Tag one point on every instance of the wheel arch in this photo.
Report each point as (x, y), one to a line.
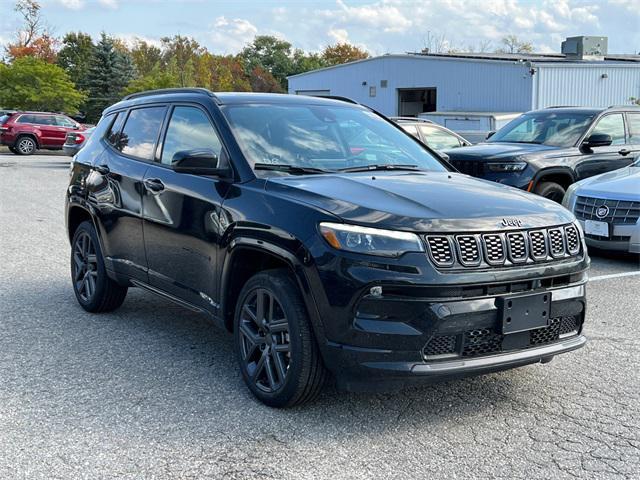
(560, 175)
(245, 258)
(27, 134)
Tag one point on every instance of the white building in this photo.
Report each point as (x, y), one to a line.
(409, 84)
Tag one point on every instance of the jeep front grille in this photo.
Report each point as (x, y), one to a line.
(504, 249)
(620, 212)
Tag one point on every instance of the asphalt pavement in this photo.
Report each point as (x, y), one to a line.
(153, 391)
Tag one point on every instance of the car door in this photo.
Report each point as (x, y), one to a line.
(65, 125)
(117, 188)
(604, 159)
(48, 130)
(633, 127)
(181, 212)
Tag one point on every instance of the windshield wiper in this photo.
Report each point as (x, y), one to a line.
(294, 169)
(389, 166)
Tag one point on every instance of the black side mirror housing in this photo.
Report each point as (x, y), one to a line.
(490, 134)
(597, 140)
(198, 162)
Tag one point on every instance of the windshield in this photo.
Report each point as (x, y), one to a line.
(304, 138)
(557, 129)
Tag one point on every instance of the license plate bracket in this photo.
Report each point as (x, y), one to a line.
(595, 227)
(524, 312)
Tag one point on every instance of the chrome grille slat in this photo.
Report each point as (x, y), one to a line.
(621, 212)
(496, 249)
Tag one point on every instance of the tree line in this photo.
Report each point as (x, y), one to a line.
(78, 75)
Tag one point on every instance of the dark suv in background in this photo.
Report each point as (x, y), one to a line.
(324, 237)
(26, 132)
(545, 151)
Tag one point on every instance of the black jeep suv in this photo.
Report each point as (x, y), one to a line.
(545, 151)
(324, 237)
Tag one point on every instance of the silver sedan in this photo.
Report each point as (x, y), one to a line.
(608, 208)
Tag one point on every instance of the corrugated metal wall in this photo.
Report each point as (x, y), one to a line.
(597, 85)
(485, 86)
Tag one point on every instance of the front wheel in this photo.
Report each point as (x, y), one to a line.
(277, 352)
(94, 290)
(550, 190)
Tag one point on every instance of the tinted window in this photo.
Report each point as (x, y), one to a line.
(437, 138)
(3, 119)
(611, 125)
(634, 127)
(189, 129)
(45, 120)
(140, 132)
(329, 137)
(26, 119)
(113, 134)
(554, 128)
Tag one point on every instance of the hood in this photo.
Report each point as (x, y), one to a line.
(622, 184)
(498, 151)
(421, 201)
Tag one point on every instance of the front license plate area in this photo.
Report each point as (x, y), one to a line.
(524, 312)
(594, 227)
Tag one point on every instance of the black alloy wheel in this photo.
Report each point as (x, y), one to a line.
(264, 340)
(94, 290)
(275, 345)
(85, 267)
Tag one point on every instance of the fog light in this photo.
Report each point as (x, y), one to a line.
(376, 291)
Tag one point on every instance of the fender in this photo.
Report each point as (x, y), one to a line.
(550, 171)
(298, 262)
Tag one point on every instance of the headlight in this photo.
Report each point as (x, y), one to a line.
(507, 166)
(567, 201)
(372, 241)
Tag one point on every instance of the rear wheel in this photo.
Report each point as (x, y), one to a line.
(25, 146)
(93, 288)
(551, 190)
(277, 352)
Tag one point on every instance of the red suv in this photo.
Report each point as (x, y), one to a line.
(26, 132)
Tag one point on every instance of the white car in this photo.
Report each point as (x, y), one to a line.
(608, 208)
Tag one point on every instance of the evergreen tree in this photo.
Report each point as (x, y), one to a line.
(75, 57)
(109, 73)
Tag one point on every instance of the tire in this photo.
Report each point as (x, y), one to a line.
(94, 290)
(278, 355)
(25, 146)
(550, 190)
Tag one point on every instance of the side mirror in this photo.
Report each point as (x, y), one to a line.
(197, 162)
(444, 156)
(597, 140)
(490, 134)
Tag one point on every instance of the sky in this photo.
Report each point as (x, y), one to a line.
(381, 26)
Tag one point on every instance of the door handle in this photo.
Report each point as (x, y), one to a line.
(624, 152)
(154, 185)
(102, 169)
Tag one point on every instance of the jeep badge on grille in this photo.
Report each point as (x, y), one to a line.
(511, 222)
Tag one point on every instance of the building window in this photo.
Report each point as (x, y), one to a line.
(372, 91)
(383, 84)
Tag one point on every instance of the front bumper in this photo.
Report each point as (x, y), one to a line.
(623, 238)
(426, 339)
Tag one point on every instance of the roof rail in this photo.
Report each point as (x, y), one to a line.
(339, 98)
(165, 91)
(632, 105)
(562, 106)
(411, 119)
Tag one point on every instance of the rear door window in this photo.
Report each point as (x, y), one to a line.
(140, 132)
(634, 127)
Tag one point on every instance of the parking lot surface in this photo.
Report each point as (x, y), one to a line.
(152, 390)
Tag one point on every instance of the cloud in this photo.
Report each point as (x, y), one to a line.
(231, 35)
(130, 39)
(81, 4)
